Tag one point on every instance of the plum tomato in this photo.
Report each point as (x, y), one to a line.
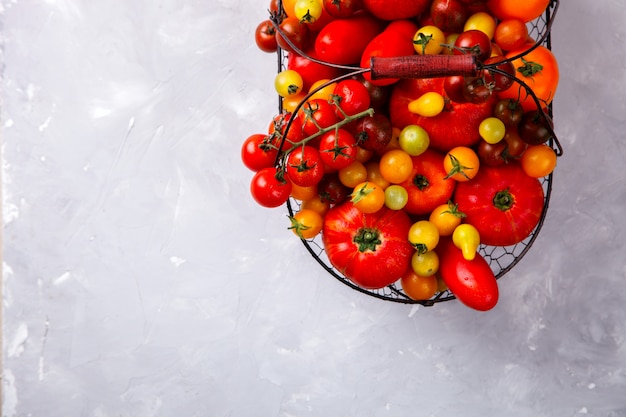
(269, 188)
(503, 203)
(304, 166)
(338, 149)
(538, 160)
(371, 250)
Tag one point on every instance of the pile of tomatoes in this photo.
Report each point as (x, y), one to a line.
(405, 177)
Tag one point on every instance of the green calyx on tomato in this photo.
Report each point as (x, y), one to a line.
(367, 239)
(457, 168)
(503, 200)
(421, 182)
(361, 193)
(529, 68)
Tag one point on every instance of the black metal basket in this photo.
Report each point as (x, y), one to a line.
(501, 259)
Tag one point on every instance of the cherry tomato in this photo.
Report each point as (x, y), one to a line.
(515, 146)
(461, 164)
(291, 102)
(476, 90)
(292, 31)
(511, 34)
(449, 15)
(429, 104)
(317, 114)
(353, 174)
(423, 236)
(414, 140)
(303, 193)
(429, 40)
(336, 42)
(373, 132)
(395, 166)
(425, 264)
(473, 42)
(493, 154)
(417, 287)
(304, 166)
(509, 111)
(538, 160)
(308, 11)
(446, 217)
(467, 239)
(306, 223)
(482, 21)
(342, 8)
(288, 83)
(269, 188)
(278, 130)
(492, 130)
(317, 204)
(258, 152)
(331, 189)
(265, 36)
(350, 97)
(454, 86)
(368, 197)
(374, 175)
(534, 128)
(322, 92)
(526, 10)
(311, 71)
(498, 81)
(338, 149)
(396, 197)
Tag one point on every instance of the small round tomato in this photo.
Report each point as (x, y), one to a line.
(526, 10)
(265, 36)
(493, 154)
(501, 80)
(482, 21)
(509, 111)
(374, 175)
(258, 152)
(396, 197)
(535, 127)
(425, 264)
(414, 140)
(461, 164)
(303, 193)
(446, 217)
(474, 42)
(417, 287)
(288, 83)
(278, 130)
(322, 89)
(492, 130)
(454, 86)
(338, 149)
(342, 8)
(316, 203)
(368, 197)
(331, 190)
(423, 236)
(429, 104)
(395, 166)
(475, 90)
(351, 97)
(306, 223)
(373, 132)
(511, 34)
(308, 11)
(291, 102)
(269, 188)
(316, 114)
(353, 174)
(515, 146)
(538, 160)
(429, 40)
(467, 239)
(304, 166)
(293, 32)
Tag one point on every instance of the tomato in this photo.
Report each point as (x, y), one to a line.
(472, 282)
(423, 236)
(338, 149)
(342, 8)
(473, 42)
(258, 152)
(265, 36)
(309, 70)
(446, 217)
(278, 130)
(414, 140)
(396, 197)
(304, 166)
(539, 70)
(269, 188)
(291, 102)
(526, 10)
(453, 87)
(476, 90)
(373, 132)
(371, 250)
(303, 193)
(429, 40)
(538, 160)
(515, 146)
(288, 83)
(461, 164)
(492, 130)
(493, 154)
(495, 80)
(481, 21)
(449, 15)
(351, 97)
(317, 114)
(322, 89)
(429, 104)
(374, 175)
(417, 287)
(353, 174)
(511, 34)
(503, 203)
(467, 239)
(306, 223)
(293, 32)
(336, 42)
(425, 264)
(331, 189)
(509, 111)
(368, 197)
(316, 203)
(395, 166)
(288, 7)
(535, 128)
(427, 186)
(308, 11)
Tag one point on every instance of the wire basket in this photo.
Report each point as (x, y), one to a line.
(500, 258)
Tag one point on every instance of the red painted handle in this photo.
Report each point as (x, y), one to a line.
(423, 66)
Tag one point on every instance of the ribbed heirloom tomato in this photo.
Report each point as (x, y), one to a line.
(371, 250)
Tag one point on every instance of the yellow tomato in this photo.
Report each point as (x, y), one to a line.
(429, 104)
(446, 217)
(467, 239)
(429, 40)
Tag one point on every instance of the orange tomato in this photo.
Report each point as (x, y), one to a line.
(538, 160)
(525, 10)
(418, 287)
(316, 203)
(303, 193)
(511, 34)
(306, 224)
(368, 197)
(540, 71)
(461, 163)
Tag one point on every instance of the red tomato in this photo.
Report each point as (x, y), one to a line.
(396, 9)
(268, 189)
(338, 149)
(427, 186)
(392, 42)
(373, 133)
(503, 203)
(265, 36)
(309, 70)
(338, 42)
(296, 32)
(258, 152)
(305, 166)
(371, 250)
(353, 97)
(473, 282)
(317, 114)
(342, 8)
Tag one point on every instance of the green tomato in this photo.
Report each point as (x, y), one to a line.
(396, 197)
(414, 140)
(492, 130)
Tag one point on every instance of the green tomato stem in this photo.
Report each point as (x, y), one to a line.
(367, 239)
